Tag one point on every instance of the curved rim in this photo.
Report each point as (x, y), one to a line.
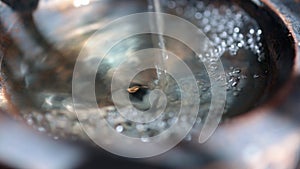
(285, 90)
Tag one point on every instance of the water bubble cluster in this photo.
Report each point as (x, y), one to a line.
(234, 76)
(228, 26)
(231, 30)
(146, 130)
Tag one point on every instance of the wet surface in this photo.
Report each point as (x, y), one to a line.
(45, 73)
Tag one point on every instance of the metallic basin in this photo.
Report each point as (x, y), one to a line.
(262, 134)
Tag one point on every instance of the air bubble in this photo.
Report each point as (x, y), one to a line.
(119, 128)
(236, 30)
(207, 13)
(217, 40)
(205, 21)
(261, 57)
(162, 125)
(171, 4)
(200, 5)
(41, 129)
(29, 121)
(230, 41)
(235, 93)
(145, 139)
(234, 84)
(240, 45)
(140, 127)
(198, 15)
(236, 71)
(223, 35)
(207, 28)
(172, 121)
(259, 32)
(250, 41)
(256, 76)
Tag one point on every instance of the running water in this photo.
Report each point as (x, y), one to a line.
(157, 24)
(47, 105)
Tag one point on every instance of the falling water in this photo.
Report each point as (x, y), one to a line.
(229, 28)
(157, 24)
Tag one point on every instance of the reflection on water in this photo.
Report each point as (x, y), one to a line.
(40, 79)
